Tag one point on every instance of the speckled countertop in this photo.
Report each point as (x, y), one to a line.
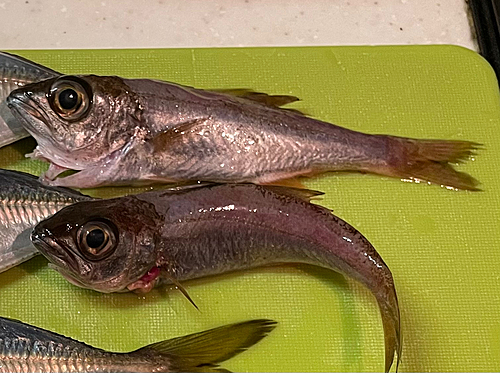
(42, 24)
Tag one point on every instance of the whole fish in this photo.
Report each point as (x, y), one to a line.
(28, 349)
(123, 131)
(24, 202)
(134, 242)
(16, 72)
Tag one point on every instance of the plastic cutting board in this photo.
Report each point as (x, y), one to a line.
(442, 246)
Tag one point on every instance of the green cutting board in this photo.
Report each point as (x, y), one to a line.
(442, 246)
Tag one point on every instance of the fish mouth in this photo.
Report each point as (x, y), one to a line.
(36, 121)
(24, 105)
(54, 250)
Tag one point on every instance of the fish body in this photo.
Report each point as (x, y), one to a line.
(16, 72)
(24, 202)
(134, 242)
(28, 349)
(125, 131)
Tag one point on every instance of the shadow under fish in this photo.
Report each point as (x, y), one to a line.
(136, 242)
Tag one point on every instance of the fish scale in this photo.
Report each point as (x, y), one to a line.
(28, 355)
(27, 349)
(30, 210)
(16, 72)
(24, 202)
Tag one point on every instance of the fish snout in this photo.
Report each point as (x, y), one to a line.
(42, 239)
(23, 104)
(16, 97)
(50, 247)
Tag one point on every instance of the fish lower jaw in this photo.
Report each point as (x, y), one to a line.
(56, 160)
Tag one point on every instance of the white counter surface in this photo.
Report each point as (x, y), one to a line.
(43, 24)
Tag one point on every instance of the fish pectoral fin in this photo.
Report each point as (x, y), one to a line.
(181, 289)
(202, 352)
(165, 139)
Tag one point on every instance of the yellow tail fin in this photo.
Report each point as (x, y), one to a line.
(202, 352)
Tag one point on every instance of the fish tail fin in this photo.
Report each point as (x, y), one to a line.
(202, 352)
(391, 321)
(430, 161)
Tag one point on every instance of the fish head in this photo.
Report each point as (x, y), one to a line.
(74, 119)
(101, 245)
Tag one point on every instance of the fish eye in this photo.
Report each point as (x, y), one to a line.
(96, 240)
(70, 98)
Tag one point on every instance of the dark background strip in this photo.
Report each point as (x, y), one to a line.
(485, 14)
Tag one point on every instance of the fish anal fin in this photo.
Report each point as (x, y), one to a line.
(165, 139)
(302, 194)
(293, 182)
(290, 184)
(202, 352)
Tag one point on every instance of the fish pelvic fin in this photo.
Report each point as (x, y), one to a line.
(430, 161)
(181, 288)
(202, 352)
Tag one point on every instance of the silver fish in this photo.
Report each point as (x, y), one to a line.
(16, 72)
(24, 202)
(123, 131)
(133, 242)
(28, 349)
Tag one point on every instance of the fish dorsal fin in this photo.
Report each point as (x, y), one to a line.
(262, 98)
(201, 352)
(299, 193)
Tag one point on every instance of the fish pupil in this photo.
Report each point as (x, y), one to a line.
(95, 238)
(68, 99)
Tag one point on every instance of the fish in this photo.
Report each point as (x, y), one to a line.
(117, 131)
(15, 72)
(136, 242)
(29, 349)
(24, 202)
